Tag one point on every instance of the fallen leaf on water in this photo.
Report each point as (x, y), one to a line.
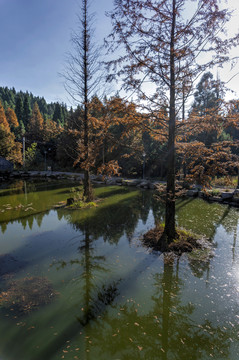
(140, 348)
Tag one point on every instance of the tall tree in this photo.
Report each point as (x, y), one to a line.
(9, 149)
(3, 119)
(168, 48)
(36, 123)
(58, 115)
(208, 94)
(19, 108)
(81, 81)
(26, 110)
(12, 118)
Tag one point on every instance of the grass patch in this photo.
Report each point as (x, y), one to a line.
(185, 241)
(82, 205)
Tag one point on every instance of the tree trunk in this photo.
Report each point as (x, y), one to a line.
(88, 194)
(170, 228)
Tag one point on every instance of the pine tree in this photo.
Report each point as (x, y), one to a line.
(26, 110)
(208, 94)
(58, 115)
(19, 109)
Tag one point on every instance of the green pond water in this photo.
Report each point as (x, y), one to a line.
(78, 284)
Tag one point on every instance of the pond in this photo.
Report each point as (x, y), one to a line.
(78, 284)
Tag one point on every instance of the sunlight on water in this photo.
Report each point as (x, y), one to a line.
(80, 285)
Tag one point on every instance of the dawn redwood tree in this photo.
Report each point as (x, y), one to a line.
(9, 148)
(159, 42)
(3, 119)
(82, 80)
(12, 118)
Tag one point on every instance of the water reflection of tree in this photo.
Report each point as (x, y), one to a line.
(25, 221)
(205, 218)
(230, 224)
(25, 200)
(94, 296)
(114, 220)
(166, 332)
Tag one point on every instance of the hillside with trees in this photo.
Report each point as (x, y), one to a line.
(124, 138)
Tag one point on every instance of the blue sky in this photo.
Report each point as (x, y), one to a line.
(35, 37)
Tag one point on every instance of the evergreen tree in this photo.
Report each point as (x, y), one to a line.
(19, 108)
(21, 130)
(26, 110)
(58, 115)
(207, 95)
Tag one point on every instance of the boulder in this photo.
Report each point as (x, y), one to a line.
(144, 184)
(152, 186)
(192, 193)
(134, 182)
(111, 182)
(226, 195)
(5, 166)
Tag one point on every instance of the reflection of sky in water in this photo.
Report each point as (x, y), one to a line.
(117, 299)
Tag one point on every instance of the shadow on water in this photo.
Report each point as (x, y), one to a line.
(165, 332)
(123, 330)
(111, 219)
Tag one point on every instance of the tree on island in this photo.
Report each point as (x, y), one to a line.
(169, 48)
(89, 126)
(81, 81)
